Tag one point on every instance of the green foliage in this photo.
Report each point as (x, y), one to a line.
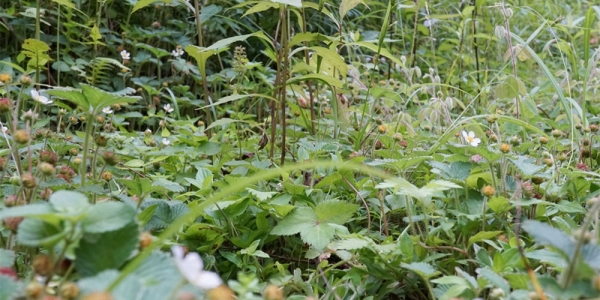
(326, 149)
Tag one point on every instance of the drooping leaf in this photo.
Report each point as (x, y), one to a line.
(347, 5)
(482, 235)
(104, 251)
(108, 216)
(35, 233)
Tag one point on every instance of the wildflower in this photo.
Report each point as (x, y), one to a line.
(107, 110)
(471, 139)
(476, 158)
(166, 142)
(5, 78)
(39, 98)
(177, 52)
(191, 267)
(125, 55)
(4, 129)
(168, 108)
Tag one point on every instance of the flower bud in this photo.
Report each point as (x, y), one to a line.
(110, 158)
(101, 140)
(4, 105)
(12, 223)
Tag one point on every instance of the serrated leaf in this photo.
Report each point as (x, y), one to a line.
(423, 269)
(262, 196)
(352, 243)
(526, 165)
(547, 235)
(115, 248)
(165, 213)
(319, 236)
(108, 216)
(169, 185)
(7, 258)
(494, 279)
(458, 170)
(300, 219)
(335, 211)
(8, 287)
(482, 235)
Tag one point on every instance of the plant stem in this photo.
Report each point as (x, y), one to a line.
(86, 143)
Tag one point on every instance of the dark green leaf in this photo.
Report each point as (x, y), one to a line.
(108, 216)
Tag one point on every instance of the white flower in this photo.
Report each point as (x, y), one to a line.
(39, 98)
(470, 138)
(168, 108)
(177, 52)
(191, 267)
(4, 129)
(107, 110)
(125, 54)
(166, 142)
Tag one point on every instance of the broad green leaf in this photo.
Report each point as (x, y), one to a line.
(108, 216)
(547, 235)
(300, 220)
(37, 51)
(156, 51)
(169, 185)
(335, 211)
(9, 287)
(36, 233)
(510, 88)
(458, 170)
(72, 95)
(352, 243)
(33, 210)
(498, 204)
(319, 235)
(259, 7)
(482, 235)
(69, 202)
(527, 165)
(165, 214)
(406, 246)
(104, 251)
(347, 5)
(332, 63)
(146, 214)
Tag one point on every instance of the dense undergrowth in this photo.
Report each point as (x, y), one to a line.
(299, 149)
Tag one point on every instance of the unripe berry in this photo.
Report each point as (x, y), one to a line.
(327, 110)
(4, 105)
(548, 162)
(73, 151)
(42, 265)
(101, 140)
(34, 290)
(382, 129)
(488, 191)
(69, 290)
(272, 292)
(98, 296)
(145, 239)
(46, 169)
(107, 176)
(556, 133)
(221, 292)
(504, 148)
(543, 140)
(110, 158)
(21, 136)
(28, 181)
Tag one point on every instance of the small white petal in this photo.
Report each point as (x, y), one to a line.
(207, 280)
(464, 134)
(35, 94)
(107, 110)
(166, 143)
